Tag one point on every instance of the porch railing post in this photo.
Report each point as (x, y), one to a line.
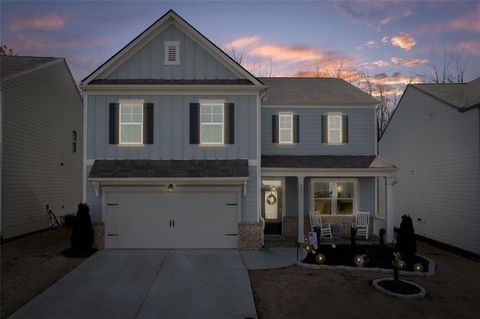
(389, 218)
(301, 212)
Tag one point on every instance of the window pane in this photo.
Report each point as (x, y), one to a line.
(344, 190)
(334, 122)
(131, 133)
(206, 118)
(324, 206)
(285, 122)
(217, 108)
(285, 136)
(322, 190)
(334, 136)
(211, 134)
(217, 118)
(345, 206)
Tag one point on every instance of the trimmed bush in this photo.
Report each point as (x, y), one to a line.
(406, 242)
(82, 231)
(381, 236)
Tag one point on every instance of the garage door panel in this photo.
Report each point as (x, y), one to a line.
(201, 219)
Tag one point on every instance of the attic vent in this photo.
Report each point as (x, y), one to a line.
(172, 52)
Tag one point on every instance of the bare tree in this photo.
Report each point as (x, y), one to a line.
(235, 54)
(5, 50)
(451, 69)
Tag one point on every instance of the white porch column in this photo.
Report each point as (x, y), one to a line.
(389, 217)
(300, 208)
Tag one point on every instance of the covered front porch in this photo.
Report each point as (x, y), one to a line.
(335, 187)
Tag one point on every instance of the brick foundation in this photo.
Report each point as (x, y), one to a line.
(250, 236)
(99, 233)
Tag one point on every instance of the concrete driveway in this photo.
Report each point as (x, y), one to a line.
(149, 284)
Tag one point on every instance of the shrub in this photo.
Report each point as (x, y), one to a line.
(82, 231)
(353, 236)
(381, 236)
(406, 242)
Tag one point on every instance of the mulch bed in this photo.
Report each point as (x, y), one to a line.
(399, 287)
(377, 256)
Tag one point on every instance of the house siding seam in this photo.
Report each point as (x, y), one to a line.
(40, 110)
(436, 149)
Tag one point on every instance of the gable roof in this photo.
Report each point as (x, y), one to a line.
(461, 96)
(167, 19)
(16, 65)
(314, 91)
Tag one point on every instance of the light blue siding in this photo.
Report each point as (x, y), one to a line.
(195, 61)
(171, 129)
(249, 202)
(94, 202)
(291, 196)
(361, 126)
(366, 194)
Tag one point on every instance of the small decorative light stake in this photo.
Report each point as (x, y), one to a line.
(401, 264)
(170, 188)
(314, 251)
(418, 267)
(308, 248)
(359, 260)
(320, 258)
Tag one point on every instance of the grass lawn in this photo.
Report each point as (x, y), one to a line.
(29, 265)
(296, 292)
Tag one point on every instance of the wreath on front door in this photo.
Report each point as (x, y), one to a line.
(271, 199)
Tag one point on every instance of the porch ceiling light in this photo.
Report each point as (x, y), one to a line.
(170, 188)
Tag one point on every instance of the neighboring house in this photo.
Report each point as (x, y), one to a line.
(184, 148)
(41, 142)
(434, 140)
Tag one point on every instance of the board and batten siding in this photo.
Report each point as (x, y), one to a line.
(437, 152)
(171, 129)
(40, 110)
(361, 126)
(195, 62)
(248, 202)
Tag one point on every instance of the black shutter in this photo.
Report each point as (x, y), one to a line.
(324, 128)
(274, 128)
(296, 128)
(229, 125)
(148, 123)
(113, 122)
(194, 123)
(345, 129)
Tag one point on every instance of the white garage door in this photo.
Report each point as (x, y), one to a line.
(182, 219)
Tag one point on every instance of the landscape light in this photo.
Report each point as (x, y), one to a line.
(418, 267)
(320, 258)
(359, 260)
(170, 188)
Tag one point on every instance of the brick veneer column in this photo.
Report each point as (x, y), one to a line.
(99, 233)
(250, 236)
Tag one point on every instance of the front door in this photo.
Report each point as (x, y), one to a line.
(272, 205)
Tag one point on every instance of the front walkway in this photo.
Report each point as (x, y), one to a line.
(273, 257)
(149, 284)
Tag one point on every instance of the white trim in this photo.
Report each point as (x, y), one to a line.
(130, 104)
(189, 180)
(131, 101)
(252, 162)
(89, 162)
(284, 193)
(288, 115)
(330, 129)
(333, 199)
(151, 32)
(375, 132)
(325, 172)
(172, 89)
(167, 45)
(84, 135)
(212, 101)
(222, 105)
(299, 106)
(258, 133)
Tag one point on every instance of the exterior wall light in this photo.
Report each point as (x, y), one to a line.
(170, 188)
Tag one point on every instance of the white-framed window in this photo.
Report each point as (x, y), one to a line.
(285, 128)
(212, 123)
(131, 123)
(172, 52)
(334, 196)
(334, 128)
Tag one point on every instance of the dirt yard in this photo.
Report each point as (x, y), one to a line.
(296, 292)
(31, 264)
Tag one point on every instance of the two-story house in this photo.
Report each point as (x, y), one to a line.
(184, 148)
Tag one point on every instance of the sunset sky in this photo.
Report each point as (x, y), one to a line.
(389, 41)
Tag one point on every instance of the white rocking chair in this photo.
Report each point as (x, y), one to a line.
(362, 223)
(316, 222)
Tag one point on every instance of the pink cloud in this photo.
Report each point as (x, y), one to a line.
(287, 53)
(403, 41)
(369, 44)
(470, 47)
(242, 42)
(52, 22)
(469, 22)
(408, 62)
